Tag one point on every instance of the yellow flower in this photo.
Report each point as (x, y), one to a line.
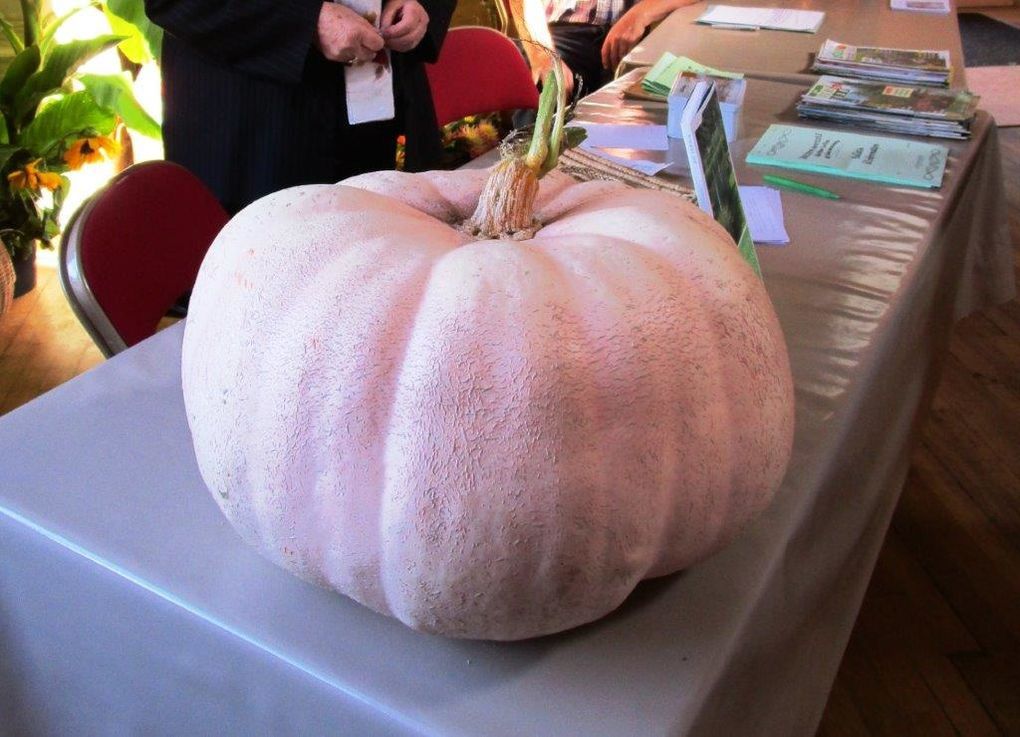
(488, 131)
(89, 150)
(50, 180)
(30, 178)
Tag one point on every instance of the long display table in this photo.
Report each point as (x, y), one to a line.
(129, 606)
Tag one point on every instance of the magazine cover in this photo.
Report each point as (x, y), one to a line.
(921, 59)
(929, 102)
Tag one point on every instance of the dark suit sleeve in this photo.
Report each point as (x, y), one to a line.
(265, 38)
(440, 12)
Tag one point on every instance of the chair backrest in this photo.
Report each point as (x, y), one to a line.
(479, 70)
(134, 248)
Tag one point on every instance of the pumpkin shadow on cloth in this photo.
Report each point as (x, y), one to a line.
(644, 595)
(627, 637)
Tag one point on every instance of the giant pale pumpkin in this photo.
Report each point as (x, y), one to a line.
(484, 438)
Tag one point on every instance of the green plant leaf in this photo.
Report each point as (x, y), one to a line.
(50, 28)
(30, 16)
(71, 115)
(62, 62)
(60, 194)
(145, 38)
(573, 136)
(17, 45)
(22, 67)
(114, 92)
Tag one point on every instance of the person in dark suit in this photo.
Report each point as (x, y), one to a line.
(254, 90)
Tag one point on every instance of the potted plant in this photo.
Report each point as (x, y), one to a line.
(54, 120)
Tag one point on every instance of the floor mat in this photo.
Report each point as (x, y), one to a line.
(998, 89)
(988, 42)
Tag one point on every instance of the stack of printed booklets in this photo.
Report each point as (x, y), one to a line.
(910, 109)
(660, 78)
(909, 66)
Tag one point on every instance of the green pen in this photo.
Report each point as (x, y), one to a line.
(799, 186)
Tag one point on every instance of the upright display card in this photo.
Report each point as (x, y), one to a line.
(715, 180)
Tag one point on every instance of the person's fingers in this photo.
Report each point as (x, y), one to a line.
(607, 53)
(390, 13)
(607, 46)
(399, 31)
(619, 51)
(412, 20)
(372, 40)
(345, 36)
(409, 29)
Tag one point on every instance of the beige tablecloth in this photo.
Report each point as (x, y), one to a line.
(129, 606)
(774, 54)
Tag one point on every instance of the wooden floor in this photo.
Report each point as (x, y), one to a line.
(41, 344)
(936, 649)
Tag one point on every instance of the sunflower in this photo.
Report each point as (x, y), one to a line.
(30, 178)
(89, 150)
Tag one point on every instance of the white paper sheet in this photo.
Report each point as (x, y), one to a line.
(645, 166)
(640, 137)
(921, 6)
(777, 19)
(763, 208)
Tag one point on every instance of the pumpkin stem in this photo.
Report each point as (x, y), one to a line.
(506, 206)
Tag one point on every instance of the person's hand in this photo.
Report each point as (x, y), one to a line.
(343, 35)
(623, 36)
(404, 23)
(544, 67)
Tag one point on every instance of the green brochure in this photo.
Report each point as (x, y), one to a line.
(659, 79)
(842, 154)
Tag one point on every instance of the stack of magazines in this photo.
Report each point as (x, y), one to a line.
(913, 110)
(910, 66)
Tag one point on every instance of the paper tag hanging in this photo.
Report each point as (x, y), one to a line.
(369, 84)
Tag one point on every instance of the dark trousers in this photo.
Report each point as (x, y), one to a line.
(580, 45)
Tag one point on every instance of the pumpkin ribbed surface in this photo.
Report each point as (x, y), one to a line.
(484, 439)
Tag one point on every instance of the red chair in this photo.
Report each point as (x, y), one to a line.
(479, 70)
(134, 248)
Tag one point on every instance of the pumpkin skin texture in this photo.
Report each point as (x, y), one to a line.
(484, 439)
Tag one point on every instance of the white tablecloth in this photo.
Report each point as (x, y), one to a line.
(129, 606)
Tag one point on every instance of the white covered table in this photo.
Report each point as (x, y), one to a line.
(129, 606)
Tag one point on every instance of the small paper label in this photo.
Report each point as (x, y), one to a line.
(893, 91)
(369, 85)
